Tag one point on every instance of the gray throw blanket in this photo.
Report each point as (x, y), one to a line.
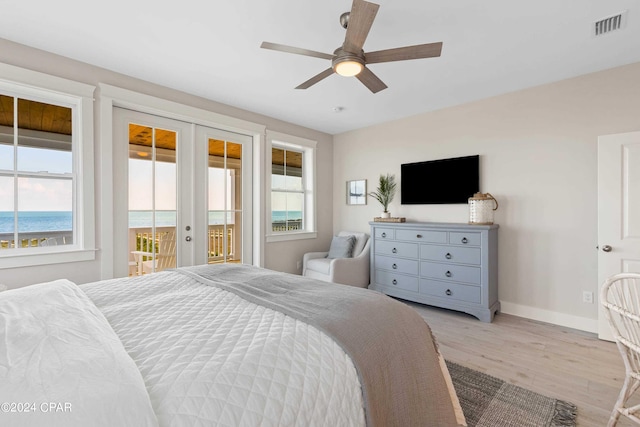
(390, 345)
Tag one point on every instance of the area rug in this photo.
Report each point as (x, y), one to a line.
(490, 402)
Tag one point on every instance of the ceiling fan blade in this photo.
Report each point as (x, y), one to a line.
(315, 79)
(296, 50)
(371, 81)
(429, 50)
(360, 20)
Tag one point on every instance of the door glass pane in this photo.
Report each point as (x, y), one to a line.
(7, 222)
(224, 240)
(44, 137)
(152, 199)
(6, 133)
(45, 212)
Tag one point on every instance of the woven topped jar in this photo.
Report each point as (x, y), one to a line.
(481, 208)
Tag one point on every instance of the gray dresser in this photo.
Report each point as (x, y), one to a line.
(448, 265)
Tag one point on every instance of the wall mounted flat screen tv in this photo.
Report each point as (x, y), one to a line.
(442, 181)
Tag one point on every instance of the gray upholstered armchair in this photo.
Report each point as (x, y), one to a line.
(352, 271)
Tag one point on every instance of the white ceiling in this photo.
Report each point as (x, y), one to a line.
(211, 49)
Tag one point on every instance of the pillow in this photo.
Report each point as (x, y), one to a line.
(342, 247)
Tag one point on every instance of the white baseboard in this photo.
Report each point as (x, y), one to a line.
(542, 315)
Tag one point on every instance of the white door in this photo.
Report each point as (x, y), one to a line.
(618, 210)
(163, 185)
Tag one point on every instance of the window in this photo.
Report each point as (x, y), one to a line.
(291, 202)
(43, 196)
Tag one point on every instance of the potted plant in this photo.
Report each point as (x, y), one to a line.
(385, 192)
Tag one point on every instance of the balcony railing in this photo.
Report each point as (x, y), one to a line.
(290, 225)
(143, 240)
(36, 238)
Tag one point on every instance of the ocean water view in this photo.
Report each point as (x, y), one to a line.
(30, 221)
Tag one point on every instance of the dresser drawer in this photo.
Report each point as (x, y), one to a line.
(422, 236)
(399, 265)
(385, 233)
(388, 278)
(450, 254)
(456, 273)
(408, 250)
(453, 291)
(463, 238)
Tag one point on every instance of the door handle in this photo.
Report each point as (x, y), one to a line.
(607, 248)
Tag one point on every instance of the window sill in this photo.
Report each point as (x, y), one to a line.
(283, 237)
(18, 260)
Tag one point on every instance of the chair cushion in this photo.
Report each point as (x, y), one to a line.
(319, 265)
(361, 241)
(342, 246)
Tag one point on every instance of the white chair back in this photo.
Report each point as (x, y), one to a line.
(166, 251)
(620, 297)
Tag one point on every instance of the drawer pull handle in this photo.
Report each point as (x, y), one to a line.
(448, 255)
(448, 274)
(394, 250)
(394, 266)
(448, 292)
(395, 282)
(464, 240)
(384, 234)
(419, 236)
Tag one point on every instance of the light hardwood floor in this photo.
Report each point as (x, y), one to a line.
(552, 360)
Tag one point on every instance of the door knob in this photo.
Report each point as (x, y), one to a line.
(607, 248)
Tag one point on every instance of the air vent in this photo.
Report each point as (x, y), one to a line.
(609, 24)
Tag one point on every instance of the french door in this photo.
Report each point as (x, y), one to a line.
(182, 194)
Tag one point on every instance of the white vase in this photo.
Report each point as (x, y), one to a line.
(385, 215)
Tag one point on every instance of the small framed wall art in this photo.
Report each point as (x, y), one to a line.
(357, 192)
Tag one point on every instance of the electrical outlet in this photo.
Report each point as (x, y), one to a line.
(587, 297)
(299, 265)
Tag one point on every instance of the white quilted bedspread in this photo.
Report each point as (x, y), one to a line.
(210, 358)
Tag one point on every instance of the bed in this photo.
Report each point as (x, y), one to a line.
(224, 345)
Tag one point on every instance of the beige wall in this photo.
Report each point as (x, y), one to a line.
(538, 151)
(278, 256)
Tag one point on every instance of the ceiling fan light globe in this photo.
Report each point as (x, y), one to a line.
(348, 68)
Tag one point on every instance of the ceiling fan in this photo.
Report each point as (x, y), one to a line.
(349, 59)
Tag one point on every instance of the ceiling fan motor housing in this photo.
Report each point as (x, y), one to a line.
(341, 56)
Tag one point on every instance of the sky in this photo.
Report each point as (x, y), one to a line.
(36, 194)
(42, 194)
(140, 187)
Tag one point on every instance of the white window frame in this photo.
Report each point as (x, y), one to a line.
(308, 148)
(32, 85)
